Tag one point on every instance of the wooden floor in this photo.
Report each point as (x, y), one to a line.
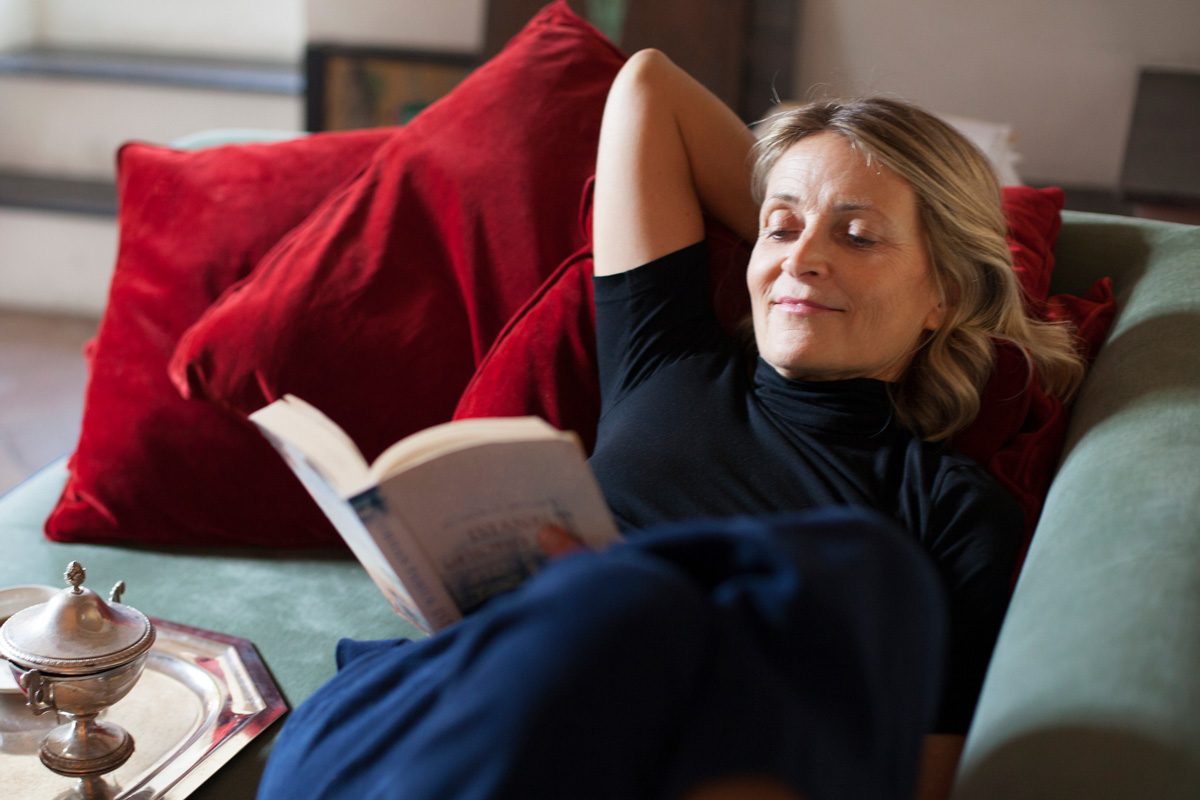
(42, 375)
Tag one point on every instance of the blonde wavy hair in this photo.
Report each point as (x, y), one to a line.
(958, 197)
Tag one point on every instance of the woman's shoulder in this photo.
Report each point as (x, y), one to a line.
(957, 483)
(666, 272)
(956, 470)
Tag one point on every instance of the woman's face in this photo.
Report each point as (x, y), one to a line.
(840, 282)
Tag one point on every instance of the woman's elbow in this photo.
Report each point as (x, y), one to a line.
(647, 58)
(643, 71)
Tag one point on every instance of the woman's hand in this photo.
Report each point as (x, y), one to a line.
(556, 541)
(939, 763)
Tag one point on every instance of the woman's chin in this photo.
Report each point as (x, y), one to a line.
(800, 370)
(809, 370)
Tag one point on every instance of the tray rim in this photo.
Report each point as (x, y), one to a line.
(249, 725)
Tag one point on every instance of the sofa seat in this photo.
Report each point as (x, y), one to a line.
(293, 605)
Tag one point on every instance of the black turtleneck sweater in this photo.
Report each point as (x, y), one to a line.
(690, 428)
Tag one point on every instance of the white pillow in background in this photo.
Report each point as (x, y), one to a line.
(995, 139)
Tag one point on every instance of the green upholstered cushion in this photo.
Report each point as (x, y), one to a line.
(294, 605)
(1095, 684)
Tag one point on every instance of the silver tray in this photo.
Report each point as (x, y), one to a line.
(202, 698)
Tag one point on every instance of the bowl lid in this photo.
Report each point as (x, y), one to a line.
(76, 632)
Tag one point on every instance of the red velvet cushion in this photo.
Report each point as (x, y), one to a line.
(149, 465)
(378, 308)
(544, 361)
(1026, 461)
(1034, 220)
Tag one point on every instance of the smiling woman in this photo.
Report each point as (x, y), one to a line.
(958, 226)
(839, 281)
(878, 280)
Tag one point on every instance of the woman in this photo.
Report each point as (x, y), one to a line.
(878, 278)
(792, 652)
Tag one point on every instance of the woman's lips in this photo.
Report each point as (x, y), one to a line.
(800, 305)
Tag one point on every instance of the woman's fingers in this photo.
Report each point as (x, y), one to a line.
(555, 541)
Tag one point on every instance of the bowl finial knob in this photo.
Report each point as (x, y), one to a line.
(75, 576)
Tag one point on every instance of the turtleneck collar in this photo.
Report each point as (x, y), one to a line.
(857, 406)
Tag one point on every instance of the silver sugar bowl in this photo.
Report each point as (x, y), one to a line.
(76, 655)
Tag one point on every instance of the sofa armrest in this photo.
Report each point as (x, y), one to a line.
(1095, 682)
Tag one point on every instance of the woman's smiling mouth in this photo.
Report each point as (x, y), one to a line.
(802, 306)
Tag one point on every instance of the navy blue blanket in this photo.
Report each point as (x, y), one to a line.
(806, 647)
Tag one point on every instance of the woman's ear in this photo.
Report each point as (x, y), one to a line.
(946, 294)
(936, 316)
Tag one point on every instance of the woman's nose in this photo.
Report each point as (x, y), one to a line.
(808, 255)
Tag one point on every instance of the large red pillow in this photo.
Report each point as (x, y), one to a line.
(379, 307)
(150, 465)
(544, 361)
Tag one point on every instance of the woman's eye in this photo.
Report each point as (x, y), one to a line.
(779, 230)
(859, 241)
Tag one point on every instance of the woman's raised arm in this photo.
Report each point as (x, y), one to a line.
(668, 148)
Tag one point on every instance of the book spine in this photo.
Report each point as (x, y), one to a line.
(407, 560)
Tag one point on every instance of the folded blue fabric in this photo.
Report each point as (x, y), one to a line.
(806, 647)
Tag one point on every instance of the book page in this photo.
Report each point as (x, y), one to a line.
(477, 511)
(326, 447)
(450, 436)
(353, 531)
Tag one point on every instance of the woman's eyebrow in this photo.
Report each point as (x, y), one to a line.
(850, 204)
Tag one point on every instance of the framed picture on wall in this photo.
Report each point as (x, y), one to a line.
(361, 87)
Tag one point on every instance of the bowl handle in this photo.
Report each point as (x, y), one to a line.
(39, 693)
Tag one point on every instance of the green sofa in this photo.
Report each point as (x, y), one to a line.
(1095, 685)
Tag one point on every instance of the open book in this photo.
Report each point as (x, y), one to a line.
(447, 517)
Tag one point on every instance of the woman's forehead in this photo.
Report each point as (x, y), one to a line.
(826, 171)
